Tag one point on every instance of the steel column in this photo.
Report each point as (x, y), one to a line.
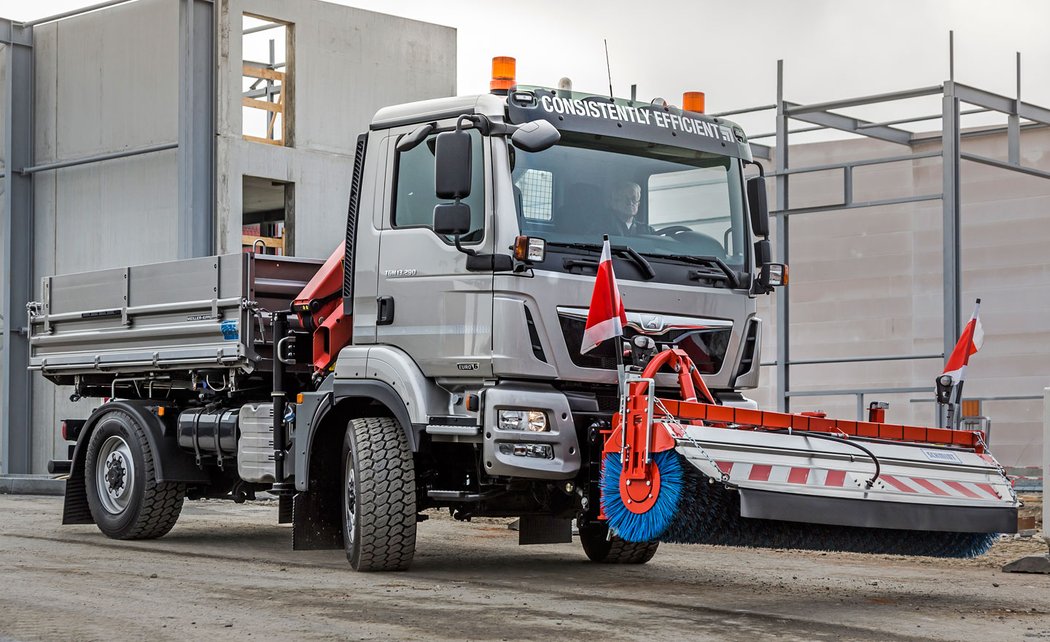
(196, 155)
(951, 233)
(15, 413)
(783, 314)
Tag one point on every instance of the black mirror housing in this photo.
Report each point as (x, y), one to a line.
(535, 136)
(763, 252)
(757, 205)
(412, 139)
(452, 219)
(452, 164)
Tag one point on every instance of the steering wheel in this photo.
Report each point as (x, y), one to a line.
(674, 229)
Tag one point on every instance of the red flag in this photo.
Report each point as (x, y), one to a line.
(606, 317)
(969, 343)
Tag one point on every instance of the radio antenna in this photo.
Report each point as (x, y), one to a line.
(608, 68)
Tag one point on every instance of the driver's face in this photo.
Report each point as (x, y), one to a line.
(627, 201)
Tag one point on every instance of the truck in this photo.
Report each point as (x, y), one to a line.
(434, 360)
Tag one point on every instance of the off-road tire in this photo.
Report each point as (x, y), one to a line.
(613, 550)
(379, 500)
(151, 508)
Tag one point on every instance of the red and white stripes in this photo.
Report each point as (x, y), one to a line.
(740, 473)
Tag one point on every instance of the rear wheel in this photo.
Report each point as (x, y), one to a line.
(124, 496)
(379, 496)
(603, 549)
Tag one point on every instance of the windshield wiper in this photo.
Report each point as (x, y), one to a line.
(645, 266)
(727, 273)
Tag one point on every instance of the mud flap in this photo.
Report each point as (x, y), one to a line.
(313, 526)
(540, 529)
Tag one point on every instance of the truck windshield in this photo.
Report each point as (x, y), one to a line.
(661, 201)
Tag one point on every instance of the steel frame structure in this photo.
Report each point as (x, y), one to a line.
(196, 175)
(825, 115)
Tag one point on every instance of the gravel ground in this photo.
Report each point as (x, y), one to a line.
(227, 572)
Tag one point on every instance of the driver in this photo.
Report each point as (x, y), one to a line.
(624, 201)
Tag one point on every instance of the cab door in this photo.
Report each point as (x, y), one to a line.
(428, 303)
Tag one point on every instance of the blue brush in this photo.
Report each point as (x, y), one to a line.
(648, 526)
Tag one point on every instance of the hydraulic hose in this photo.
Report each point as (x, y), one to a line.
(874, 459)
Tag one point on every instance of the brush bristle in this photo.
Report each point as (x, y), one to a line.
(648, 526)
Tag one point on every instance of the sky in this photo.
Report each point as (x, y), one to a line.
(832, 49)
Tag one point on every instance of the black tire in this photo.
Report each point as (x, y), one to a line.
(123, 494)
(379, 496)
(604, 550)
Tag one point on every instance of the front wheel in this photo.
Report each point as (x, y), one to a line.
(603, 549)
(379, 496)
(123, 494)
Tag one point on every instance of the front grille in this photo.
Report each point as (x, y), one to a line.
(707, 348)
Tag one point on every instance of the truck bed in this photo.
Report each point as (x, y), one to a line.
(188, 315)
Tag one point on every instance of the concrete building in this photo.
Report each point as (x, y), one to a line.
(159, 129)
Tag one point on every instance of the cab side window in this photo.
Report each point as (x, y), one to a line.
(414, 198)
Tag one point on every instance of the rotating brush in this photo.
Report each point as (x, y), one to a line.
(650, 525)
(692, 508)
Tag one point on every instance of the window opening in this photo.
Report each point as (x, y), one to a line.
(267, 220)
(266, 86)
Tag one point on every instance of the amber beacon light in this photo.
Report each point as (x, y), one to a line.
(503, 68)
(693, 101)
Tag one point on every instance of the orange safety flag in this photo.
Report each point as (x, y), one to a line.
(969, 343)
(606, 316)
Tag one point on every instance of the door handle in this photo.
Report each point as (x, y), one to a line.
(384, 310)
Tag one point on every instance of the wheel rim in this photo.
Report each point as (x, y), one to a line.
(350, 502)
(115, 475)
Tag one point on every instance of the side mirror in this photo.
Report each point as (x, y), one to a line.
(415, 137)
(452, 219)
(535, 136)
(770, 274)
(452, 165)
(758, 208)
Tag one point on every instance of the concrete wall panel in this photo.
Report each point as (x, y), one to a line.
(117, 79)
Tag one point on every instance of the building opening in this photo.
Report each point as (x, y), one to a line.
(266, 80)
(267, 216)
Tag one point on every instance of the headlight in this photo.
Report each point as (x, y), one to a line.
(529, 420)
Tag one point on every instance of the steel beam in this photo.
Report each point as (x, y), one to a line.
(903, 158)
(760, 151)
(984, 160)
(15, 414)
(783, 313)
(76, 12)
(196, 155)
(98, 158)
(794, 110)
(849, 124)
(951, 224)
(834, 207)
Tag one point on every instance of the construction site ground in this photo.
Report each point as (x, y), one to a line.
(227, 572)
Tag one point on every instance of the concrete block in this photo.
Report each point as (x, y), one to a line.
(1031, 564)
(31, 485)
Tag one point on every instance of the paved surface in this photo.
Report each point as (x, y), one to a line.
(227, 572)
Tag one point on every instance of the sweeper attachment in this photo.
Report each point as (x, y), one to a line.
(693, 471)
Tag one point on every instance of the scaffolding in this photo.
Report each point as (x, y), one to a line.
(826, 115)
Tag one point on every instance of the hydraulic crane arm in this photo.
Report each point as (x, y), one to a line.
(320, 310)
